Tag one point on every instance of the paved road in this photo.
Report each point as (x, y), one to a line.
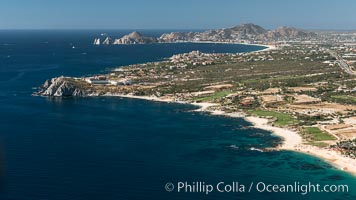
(342, 63)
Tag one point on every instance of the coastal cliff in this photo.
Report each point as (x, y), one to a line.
(135, 38)
(61, 87)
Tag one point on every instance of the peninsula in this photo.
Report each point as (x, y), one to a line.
(302, 87)
(244, 33)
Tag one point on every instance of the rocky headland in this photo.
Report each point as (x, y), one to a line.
(248, 33)
(244, 33)
(62, 87)
(300, 90)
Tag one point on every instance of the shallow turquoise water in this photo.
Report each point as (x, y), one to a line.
(113, 148)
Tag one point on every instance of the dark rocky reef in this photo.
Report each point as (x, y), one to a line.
(61, 87)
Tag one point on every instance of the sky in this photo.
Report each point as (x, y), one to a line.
(176, 14)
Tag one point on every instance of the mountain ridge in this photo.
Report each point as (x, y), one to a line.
(244, 33)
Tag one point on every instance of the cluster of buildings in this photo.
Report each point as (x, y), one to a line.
(103, 80)
(195, 58)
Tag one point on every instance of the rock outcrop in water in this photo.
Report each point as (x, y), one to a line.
(61, 87)
(96, 41)
(135, 38)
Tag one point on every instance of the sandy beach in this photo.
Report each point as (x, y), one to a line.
(268, 47)
(292, 141)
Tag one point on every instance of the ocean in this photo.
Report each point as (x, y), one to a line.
(111, 148)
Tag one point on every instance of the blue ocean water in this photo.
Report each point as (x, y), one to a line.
(114, 148)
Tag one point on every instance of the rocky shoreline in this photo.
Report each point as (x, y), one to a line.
(205, 78)
(292, 141)
(66, 87)
(61, 87)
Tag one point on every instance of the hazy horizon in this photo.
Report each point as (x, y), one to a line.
(174, 15)
(158, 29)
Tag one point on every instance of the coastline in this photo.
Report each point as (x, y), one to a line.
(267, 46)
(292, 141)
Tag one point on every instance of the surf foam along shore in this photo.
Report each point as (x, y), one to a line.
(292, 141)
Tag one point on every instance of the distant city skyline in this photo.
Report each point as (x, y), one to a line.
(183, 14)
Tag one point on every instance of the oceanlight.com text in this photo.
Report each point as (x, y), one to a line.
(260, 187)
